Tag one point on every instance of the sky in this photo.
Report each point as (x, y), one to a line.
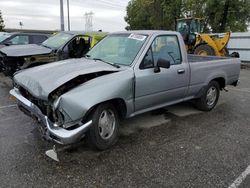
(45, 14)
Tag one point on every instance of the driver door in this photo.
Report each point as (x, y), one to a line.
(167, 86)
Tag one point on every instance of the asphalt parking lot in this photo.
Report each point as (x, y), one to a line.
(176, 147)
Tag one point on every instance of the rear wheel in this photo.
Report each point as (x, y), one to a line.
(210, 97)
(204, 50)
(105, 128)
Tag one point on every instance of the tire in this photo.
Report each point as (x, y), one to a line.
(102, 135)
(209, 98)
(204, 50)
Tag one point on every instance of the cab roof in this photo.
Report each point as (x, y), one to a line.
(146, 32)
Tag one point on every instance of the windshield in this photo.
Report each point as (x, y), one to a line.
(118, 48)
(57, 40)
(4, 36)
(182, 26)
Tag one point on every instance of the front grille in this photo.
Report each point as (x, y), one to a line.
(10, 65)
(43, 105)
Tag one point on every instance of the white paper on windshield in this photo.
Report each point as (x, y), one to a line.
(137, 37)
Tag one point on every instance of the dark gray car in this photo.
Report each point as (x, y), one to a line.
(63, 45)
(8, 39)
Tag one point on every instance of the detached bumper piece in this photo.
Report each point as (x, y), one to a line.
(53, 132)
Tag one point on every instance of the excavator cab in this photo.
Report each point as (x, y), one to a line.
(198, 42)
(189, 28)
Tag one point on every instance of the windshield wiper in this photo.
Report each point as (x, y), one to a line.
(45, 46)
(86, 55)
(99, 59)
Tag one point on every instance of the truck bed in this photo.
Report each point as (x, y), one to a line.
(205, 68)
(198, 58)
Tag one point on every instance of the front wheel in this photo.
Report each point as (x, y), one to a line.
(210, 97)
(105, 127)
(204, 50)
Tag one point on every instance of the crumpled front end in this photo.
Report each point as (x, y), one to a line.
(9, 65)
(62, 94)
(55, 127)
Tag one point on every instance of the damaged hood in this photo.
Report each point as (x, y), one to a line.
(25, 50)
(42, 80)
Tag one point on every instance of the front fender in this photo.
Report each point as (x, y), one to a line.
(78, 101)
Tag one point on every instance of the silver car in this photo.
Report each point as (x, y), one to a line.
(126, 74)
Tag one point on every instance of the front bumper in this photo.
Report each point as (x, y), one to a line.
(53, 132)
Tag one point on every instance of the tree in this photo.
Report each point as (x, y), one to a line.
(1, 22)
(138, 15)
(152, 14)
(218, 15)
(226, 15)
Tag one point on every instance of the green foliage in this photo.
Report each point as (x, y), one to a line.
(237, 15)
(1, 22)
(138, 15)
(218, 15)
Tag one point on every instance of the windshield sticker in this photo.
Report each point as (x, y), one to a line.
(137, 37)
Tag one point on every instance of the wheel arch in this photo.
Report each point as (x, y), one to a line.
(221, 81)
(119, 104)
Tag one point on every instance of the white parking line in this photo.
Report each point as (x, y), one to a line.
(9, 106)
(241, 178)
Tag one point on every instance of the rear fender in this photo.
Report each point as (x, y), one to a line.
(215, 76)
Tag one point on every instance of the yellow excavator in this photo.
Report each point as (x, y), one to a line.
(200, 43)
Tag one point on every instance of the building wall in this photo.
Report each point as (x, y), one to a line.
(240, 42)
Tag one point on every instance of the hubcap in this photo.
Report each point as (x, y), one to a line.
(106, 124)
(211, 96)
(203, 53)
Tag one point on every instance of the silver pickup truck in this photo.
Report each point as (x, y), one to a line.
(126, 74)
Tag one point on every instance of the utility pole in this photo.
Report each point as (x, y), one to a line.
(61, 15)
(89, 21)
(68, 15)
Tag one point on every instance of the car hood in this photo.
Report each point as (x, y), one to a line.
(42, 80)
(25, 50)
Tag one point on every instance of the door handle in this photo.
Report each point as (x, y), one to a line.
(180, 71)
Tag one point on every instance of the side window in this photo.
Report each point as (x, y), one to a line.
(38, 39)
(77, 47)
(148, 61)
(21, 39)
(164, 47)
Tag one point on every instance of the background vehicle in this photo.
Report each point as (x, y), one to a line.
(199, 43)
(62, 45)
(7, 39)
(126, 74)
(2, 36)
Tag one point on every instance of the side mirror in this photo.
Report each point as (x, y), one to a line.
(162, 63)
